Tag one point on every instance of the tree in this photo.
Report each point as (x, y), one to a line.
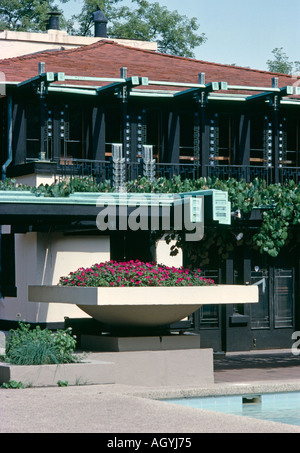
(281, 63)
(27, 15)
(175, 34)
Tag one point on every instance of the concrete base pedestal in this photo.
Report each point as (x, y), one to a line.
(186, 367)
(167, 360)
(109, 343)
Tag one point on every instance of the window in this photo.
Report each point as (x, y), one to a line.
(154, 132)
(72, 132)
(260, 313)
(260, 138)
(3, 134)
(112, 129)
(283, 298)
(225, 139)
(7, 279)
(292, 142)
(276, 290)
(32, 131)
(209, 314)
(188, 129)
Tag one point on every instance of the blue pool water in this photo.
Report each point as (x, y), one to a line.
(277, 407)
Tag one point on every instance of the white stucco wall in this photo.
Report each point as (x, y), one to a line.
(34, 180)
(15, 44)
(163, 254)
(41, 259)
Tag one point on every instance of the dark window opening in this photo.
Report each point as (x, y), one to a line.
(73, 132)
(187, 132)
(209, 315)
(257, 140)
(32, 117)
(113, 130)
(283, 298)
(154, 133)
(260, 313)
(3, 134)
(7, 279)
(292, 142)
(225, 123)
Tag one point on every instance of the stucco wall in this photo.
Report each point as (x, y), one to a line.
(14, 44)
(41, 259)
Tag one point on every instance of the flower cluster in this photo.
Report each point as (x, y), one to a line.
(134, 273)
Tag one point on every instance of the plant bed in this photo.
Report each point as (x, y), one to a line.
(137, 294)
(143, 306)
(40, 357)
(83, 373)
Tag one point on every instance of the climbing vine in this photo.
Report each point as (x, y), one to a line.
(278, 203)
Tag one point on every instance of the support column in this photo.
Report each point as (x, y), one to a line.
(98, 133)
(173, 138)
(17, 128)
(204, 140)
(275, 120)
(204, 127)
(244, 144)
(42, 113)
(56, 133)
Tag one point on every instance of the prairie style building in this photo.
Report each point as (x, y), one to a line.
(62, 112)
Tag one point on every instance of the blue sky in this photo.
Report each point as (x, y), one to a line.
(240, 32)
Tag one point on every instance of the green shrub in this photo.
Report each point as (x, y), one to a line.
(12, 385)
(39, 346)
(62, 383)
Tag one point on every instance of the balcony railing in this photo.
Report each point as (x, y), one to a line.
(103, 170)
(247, 172)
(289, 173)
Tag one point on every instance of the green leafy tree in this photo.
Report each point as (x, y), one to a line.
(175, 34)
(28, 15)
(281, 62)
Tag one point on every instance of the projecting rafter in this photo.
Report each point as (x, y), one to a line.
(126, 87)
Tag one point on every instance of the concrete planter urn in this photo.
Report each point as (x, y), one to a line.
(143, 306)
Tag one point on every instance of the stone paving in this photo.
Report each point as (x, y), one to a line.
(257, 366)
(128, 409)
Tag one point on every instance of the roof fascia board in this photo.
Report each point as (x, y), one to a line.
(152, 94)
(212, 86)
(175, 84)
(252, 88)
(270, 93)
(45, 77)
(290, 102)
(95, 79)
(116, 87)
(74, 90)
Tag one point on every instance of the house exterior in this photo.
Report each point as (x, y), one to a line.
(74, 112)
